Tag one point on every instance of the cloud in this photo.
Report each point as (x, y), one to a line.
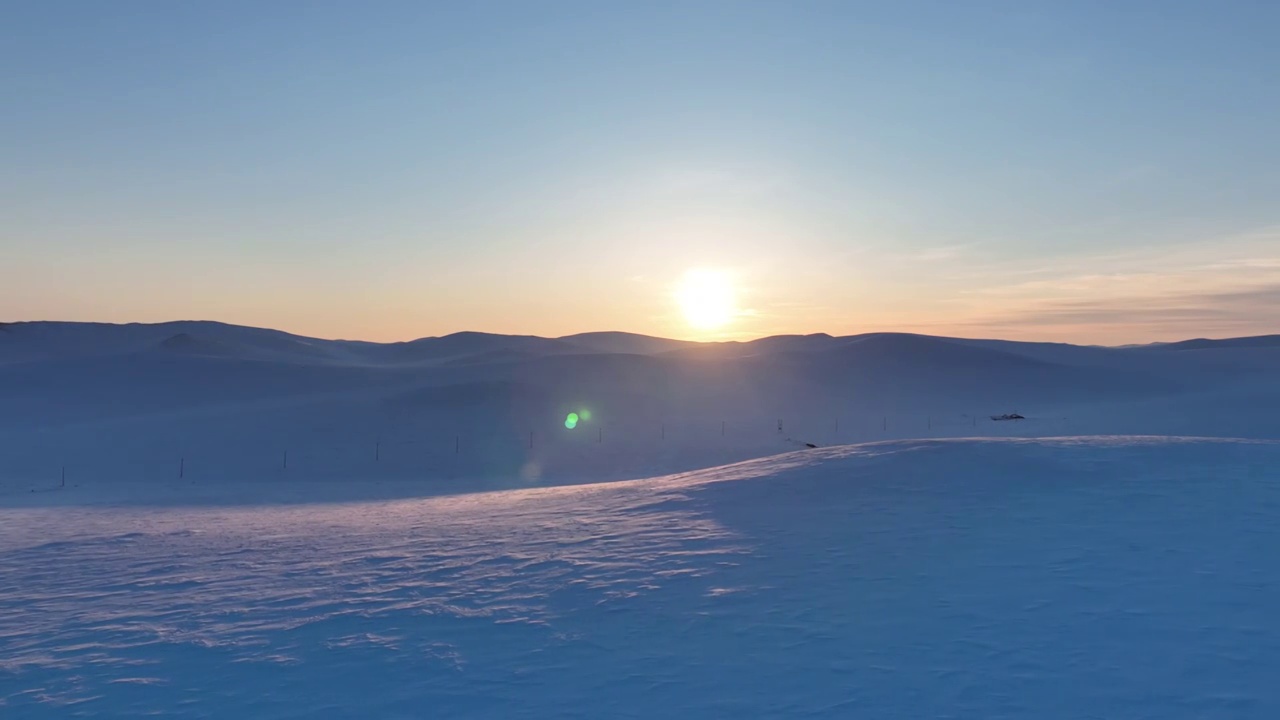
(1220, 287)
(934, 254)
(1247, 307)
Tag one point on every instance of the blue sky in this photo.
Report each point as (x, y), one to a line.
(1093, 172)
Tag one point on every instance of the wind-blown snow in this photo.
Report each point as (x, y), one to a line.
(1125, 577)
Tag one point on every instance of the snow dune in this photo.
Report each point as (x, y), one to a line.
(1066, 578)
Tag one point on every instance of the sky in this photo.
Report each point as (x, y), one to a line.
(1094, 172)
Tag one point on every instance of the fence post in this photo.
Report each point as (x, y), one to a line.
(457, 444)
(182, 467)
(285, 465)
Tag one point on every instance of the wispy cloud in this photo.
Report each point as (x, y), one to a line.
(1223, 313)
(940, 253)
(1226, 286)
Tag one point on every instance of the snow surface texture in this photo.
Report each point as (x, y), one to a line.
(925, 574)
(1129, 577)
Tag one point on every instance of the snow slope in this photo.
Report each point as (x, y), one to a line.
(143, 404)
(256, 524)
(1065, 578)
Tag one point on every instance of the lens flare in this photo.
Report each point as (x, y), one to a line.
(571, 421)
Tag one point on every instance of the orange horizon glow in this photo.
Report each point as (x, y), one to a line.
(1225, 288)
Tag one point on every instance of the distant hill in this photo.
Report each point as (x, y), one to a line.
(622, 342)
(1259, 341)
(29, 341)
(131, 400)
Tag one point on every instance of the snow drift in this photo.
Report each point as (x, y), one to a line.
(1062, 578)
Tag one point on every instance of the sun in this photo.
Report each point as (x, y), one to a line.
(707, 298)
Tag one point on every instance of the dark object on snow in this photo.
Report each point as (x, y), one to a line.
(810, 445)
(1008, 416)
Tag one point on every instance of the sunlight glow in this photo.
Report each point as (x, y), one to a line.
(707, 298)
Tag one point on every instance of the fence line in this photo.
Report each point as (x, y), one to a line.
(316, 456)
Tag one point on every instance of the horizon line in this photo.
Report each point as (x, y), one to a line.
(5, 323)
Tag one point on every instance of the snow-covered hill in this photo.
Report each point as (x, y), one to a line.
(219, 403)
(201, 520)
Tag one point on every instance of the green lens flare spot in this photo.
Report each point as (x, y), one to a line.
(571, 421)
(585, 415)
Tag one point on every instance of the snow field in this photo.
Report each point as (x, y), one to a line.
(1064, 578)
